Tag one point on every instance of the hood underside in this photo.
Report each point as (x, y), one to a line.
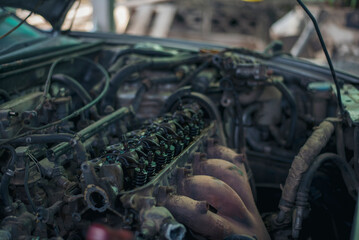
(53, 11)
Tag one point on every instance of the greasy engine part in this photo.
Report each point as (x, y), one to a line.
(169, 181)
(125, 139)
(211, 202)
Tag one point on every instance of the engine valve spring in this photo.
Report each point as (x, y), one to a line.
(140, 177)
(161, 159)
(186, 130)
(170, 153)
(180, 136)
(186, 141)
(201, 124)
(179, 148)
(194, 130)
(179, 145)
(151, 169)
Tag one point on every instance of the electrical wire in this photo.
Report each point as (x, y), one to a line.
(293, 111)
(36, 162)
(191, 76)
(77, 112)
(238, 133)
(316, 26)
(22, 21)
(48, 83)
(74, 85)
(84, 108)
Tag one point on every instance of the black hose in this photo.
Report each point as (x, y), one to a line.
(301, 162)
(164, 80)
(138, 97)
(191, 76)
(54, 138)
(304, 187)
(248, 112)
(78, 111)
(77, 88)
(293, 109)
(4, 94)
(43, 138)
(262, 147)
(5, 180)
(145, 52)
(334, 75)
(345, 169)
(254, 143)
(26, 187)
(153, 64)
(73, 85)
(240, 142)
(87, 106)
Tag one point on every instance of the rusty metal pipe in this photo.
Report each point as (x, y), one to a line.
(196, 215)
(225, 153)
(236, 178)
(218, 194)
(229, 173)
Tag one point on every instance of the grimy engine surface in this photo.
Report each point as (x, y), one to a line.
(142, 141)
(171, 170)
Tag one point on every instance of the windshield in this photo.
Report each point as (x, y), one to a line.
(24, 33)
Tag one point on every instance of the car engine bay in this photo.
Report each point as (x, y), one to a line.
(139, 139)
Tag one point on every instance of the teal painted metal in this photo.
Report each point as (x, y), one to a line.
(355, 228)
(22, 34)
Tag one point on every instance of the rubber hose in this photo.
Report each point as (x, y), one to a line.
(138, 98)
(145, 52)
(303, 191)
(5, 180)
(153, 64)
(73, 85)
(312, 147)
(293, 109)
(54, 138)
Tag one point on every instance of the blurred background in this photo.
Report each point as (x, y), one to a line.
(252, 24)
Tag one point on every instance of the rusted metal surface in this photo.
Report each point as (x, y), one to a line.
(303, 160)
(221, 152)
(235, 177)
(213, 196)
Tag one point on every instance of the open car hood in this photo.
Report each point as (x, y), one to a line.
(54, 11)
